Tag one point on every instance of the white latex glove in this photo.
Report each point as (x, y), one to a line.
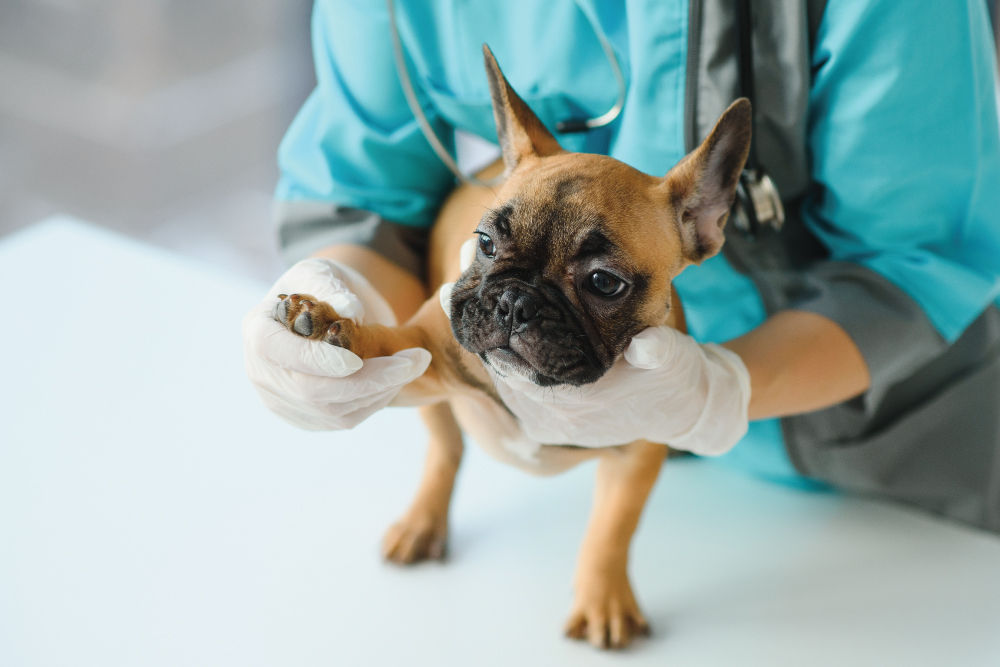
(313, 384)
(667, 388)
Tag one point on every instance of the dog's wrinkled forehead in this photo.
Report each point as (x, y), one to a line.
(576, 202)
(553, 225)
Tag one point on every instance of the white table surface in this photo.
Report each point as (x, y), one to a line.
(153, 512)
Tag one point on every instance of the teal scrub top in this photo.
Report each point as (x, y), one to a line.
(902, 131)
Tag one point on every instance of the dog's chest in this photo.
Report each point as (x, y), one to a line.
(498, 433)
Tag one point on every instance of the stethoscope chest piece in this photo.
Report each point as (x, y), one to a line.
(758, 203)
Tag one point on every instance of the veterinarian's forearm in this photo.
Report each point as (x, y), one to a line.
(799, 362)
(404, 292)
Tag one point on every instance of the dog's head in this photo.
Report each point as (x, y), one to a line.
(579, 252)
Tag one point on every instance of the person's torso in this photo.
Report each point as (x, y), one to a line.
(552, 55)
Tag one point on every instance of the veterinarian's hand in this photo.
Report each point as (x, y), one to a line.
(313, 384)
(668, 388)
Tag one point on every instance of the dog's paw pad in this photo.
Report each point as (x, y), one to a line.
(341, 333)
(311, 318)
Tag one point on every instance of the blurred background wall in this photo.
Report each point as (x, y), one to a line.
(156, 118)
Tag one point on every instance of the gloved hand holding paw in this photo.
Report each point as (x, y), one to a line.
(310, 383)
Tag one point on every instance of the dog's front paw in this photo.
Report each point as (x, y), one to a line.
(420, 535)
(605, 612)
(311, 318)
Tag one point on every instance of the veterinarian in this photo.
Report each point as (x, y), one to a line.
(867, 322)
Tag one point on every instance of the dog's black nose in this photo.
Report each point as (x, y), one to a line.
(516, 309)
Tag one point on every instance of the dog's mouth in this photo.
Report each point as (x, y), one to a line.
(507, 361)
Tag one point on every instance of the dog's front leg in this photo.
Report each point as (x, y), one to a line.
(311, 318)
(422, 532)
(605, 611)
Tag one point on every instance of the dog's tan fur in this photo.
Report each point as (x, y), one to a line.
(648, 223)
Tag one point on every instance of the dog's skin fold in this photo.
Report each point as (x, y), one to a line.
(576, 255)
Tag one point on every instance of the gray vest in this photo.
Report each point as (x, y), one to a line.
(927, 432)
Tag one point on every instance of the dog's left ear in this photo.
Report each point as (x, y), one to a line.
(702, 185)
(520, 132)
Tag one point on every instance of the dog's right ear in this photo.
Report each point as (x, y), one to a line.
(520, 132)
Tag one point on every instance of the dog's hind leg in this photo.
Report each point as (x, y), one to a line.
(605, 611)
(422, 531)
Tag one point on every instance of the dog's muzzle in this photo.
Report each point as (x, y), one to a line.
(516, 310)
(521, 329)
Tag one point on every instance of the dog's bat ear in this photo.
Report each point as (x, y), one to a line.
(520, 132)
(702, 185)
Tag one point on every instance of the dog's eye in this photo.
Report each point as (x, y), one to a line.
(605, 284)
(487, 246)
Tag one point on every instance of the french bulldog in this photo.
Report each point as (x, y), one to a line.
(574, 256)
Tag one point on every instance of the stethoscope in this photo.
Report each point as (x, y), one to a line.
(758, 202)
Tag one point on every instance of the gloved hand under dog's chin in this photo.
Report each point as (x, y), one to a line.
(666, 388)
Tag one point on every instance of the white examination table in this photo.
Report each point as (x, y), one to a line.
(153, 512)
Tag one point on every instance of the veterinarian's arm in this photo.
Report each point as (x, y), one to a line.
(355, 142)
(906, 159)
(798, 362)
(400, 288)
(355, 168)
